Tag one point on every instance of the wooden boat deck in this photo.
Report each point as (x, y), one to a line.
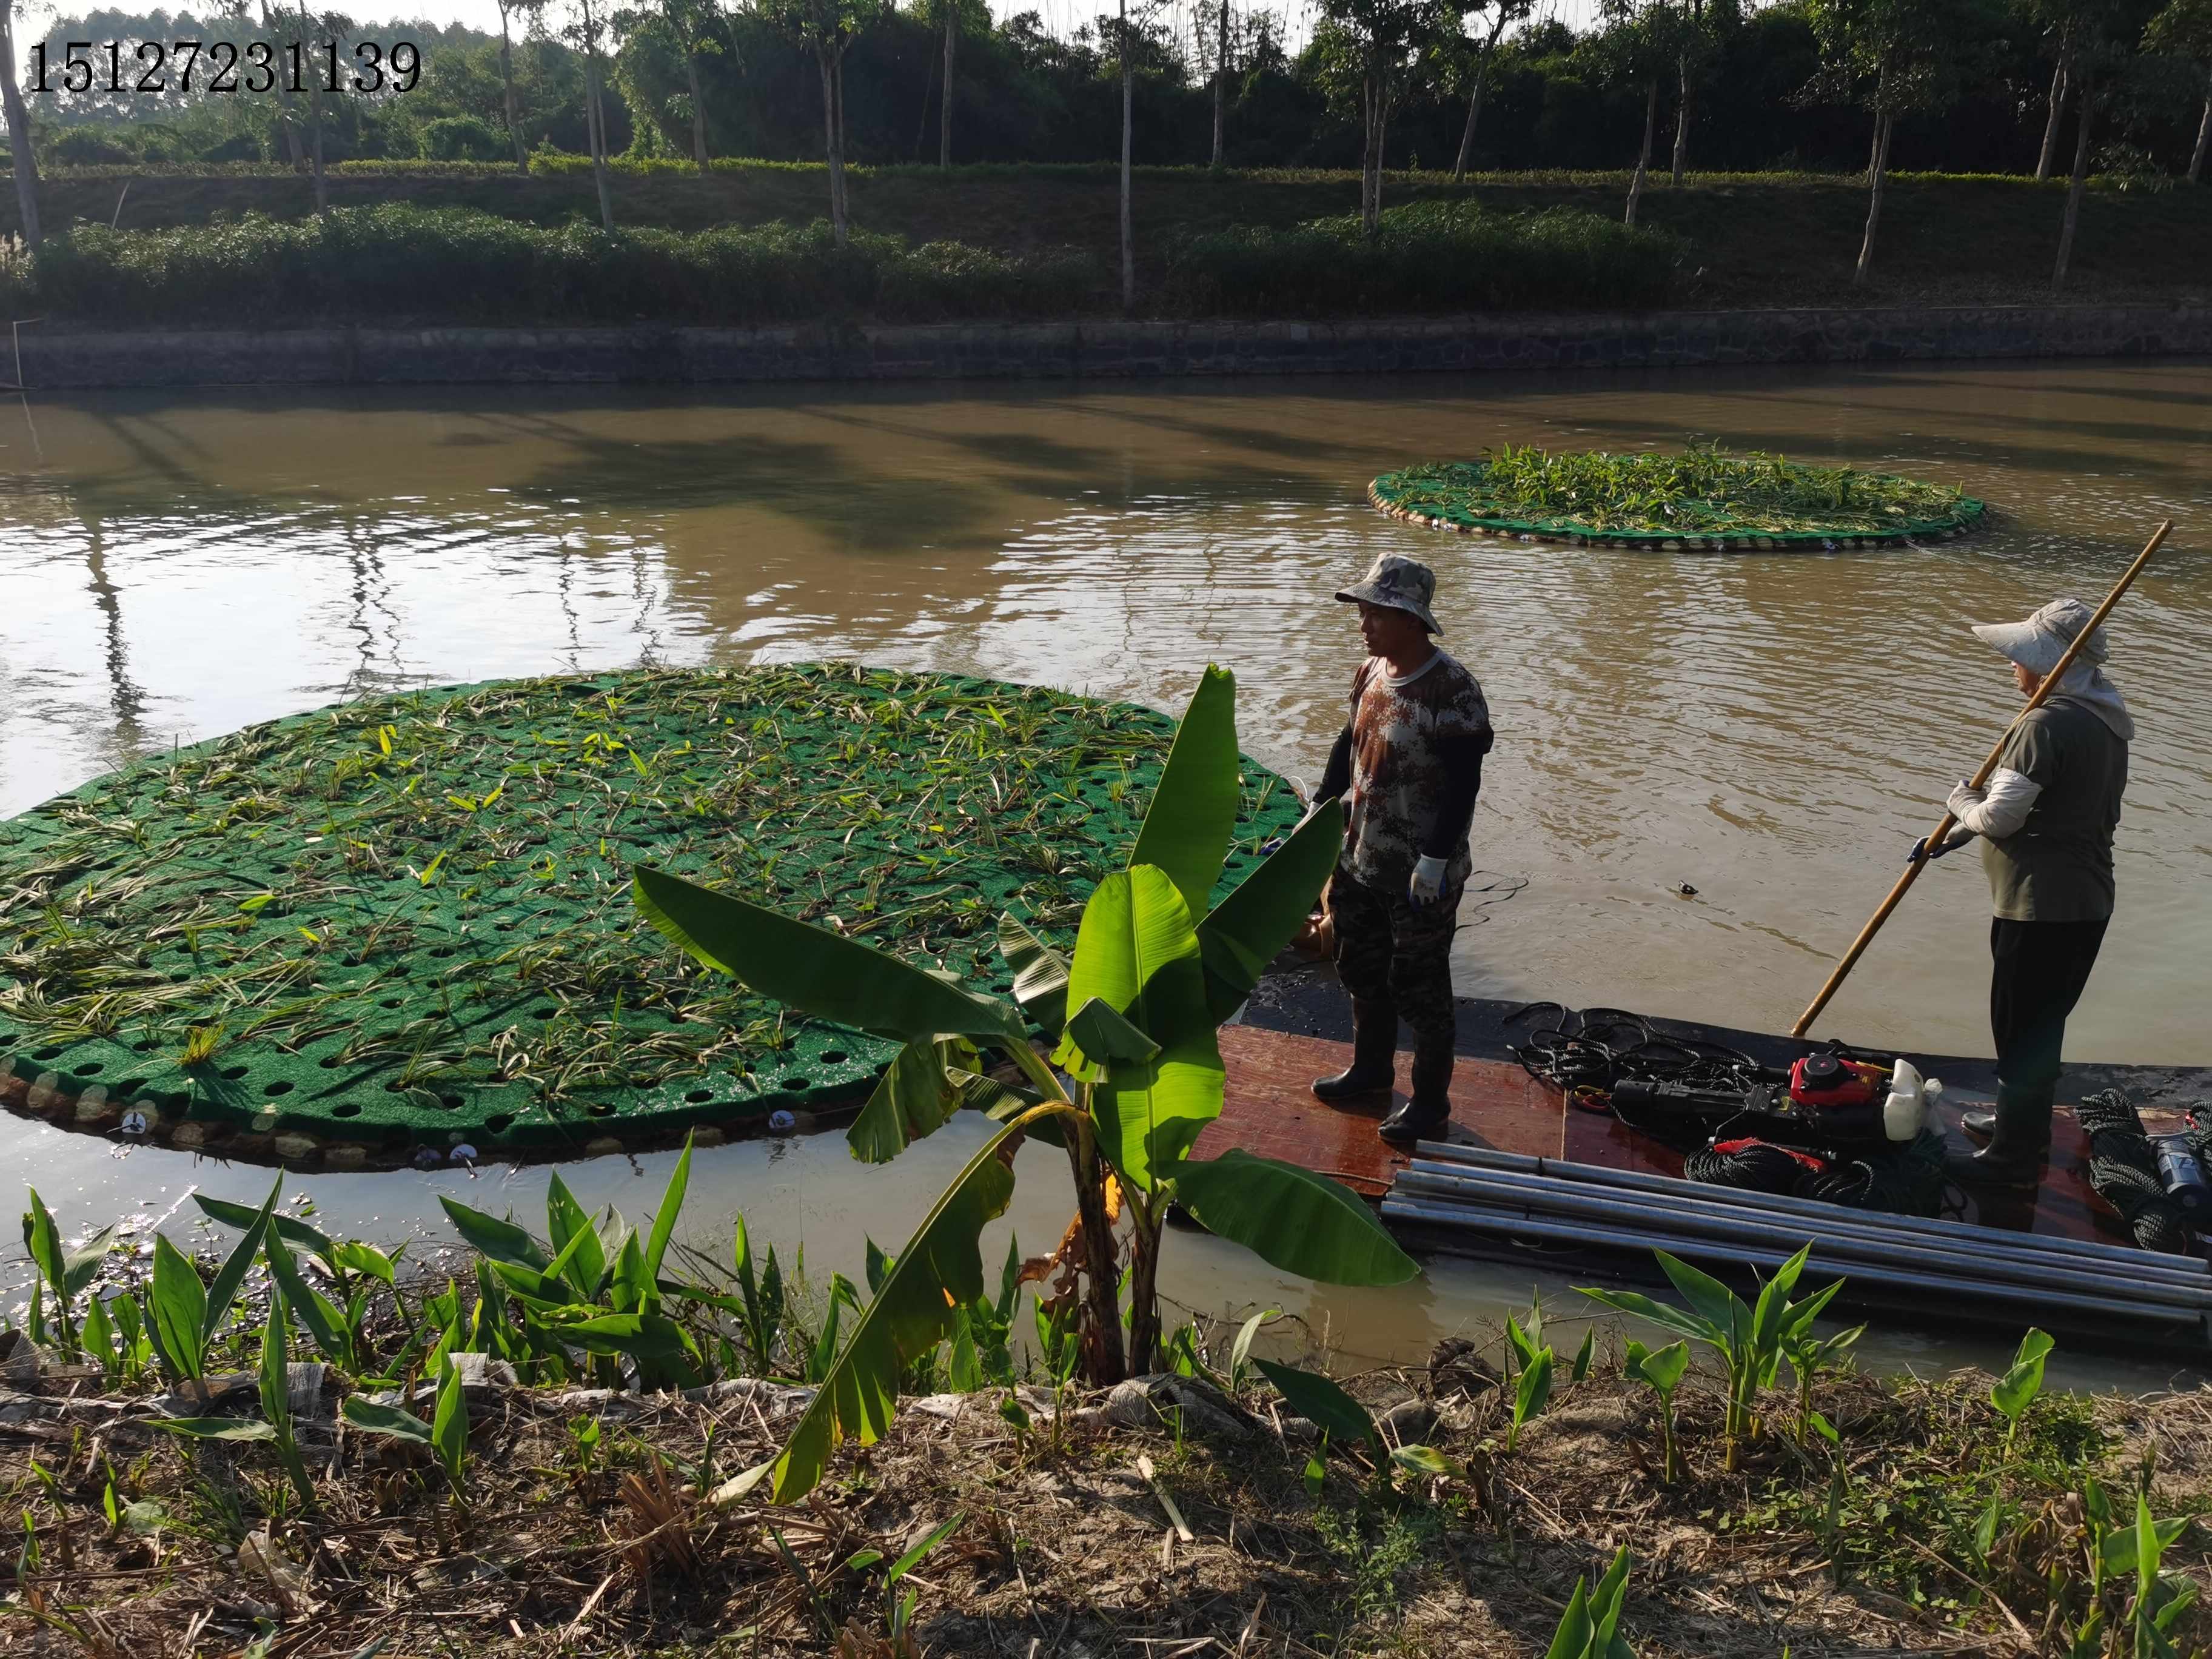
(1270, 1111)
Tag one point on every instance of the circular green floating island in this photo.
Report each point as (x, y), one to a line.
(382, 932)
(1702, 497)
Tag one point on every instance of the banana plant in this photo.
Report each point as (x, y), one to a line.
(1134, 1076)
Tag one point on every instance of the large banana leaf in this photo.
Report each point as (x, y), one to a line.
(1264, 914)
(940, 1269)
(916, 1097)
(1194, 811)
(1291, 1218)
(1040, 975)
(815, 970)
(1137, 953)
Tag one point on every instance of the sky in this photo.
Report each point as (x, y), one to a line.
(1061, 16)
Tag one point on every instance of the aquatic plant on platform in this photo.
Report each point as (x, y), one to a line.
(1705, 496)
(378, 932)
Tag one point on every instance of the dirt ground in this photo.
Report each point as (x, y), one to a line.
(590, 1524)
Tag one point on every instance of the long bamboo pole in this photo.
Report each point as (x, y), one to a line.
(1944, 827)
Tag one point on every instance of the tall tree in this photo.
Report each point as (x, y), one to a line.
(1466, 59)
(1128, 127)
(1638, 46)
(944, 104)
(2088, 26)
(21, 150)
(530, 9)
(689, 24)
(1890, 56)
(284, 122)
(2184, 30)
(827, 28)
(1370, 48)
(1220, 85)
(1698, 45)
(585, 28)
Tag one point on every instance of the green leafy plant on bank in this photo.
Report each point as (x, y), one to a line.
(1750, 1340)
(1135, 1077)
(1662, 1370)
(64, 1271)
(2015, 1391)
(1590, 1627)
(591, 1292)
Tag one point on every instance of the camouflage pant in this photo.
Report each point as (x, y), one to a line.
(1393, 955)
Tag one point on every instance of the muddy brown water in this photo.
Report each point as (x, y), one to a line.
(1770, 729)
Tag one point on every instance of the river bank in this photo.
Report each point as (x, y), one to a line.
(1758, 240)
(59, 357)
(606, 1519)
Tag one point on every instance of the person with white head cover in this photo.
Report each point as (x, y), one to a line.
(2045, 820)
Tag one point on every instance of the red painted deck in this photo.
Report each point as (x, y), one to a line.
(1270, 1111)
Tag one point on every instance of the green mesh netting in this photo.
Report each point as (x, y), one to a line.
(378, 931)
(1870, 509)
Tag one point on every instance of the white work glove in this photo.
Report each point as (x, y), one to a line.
(1427, 882)
(1998, 811)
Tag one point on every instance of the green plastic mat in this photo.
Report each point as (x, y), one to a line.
(1456, 495)
(379, 932)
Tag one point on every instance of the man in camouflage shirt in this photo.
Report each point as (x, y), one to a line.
(1407, 766)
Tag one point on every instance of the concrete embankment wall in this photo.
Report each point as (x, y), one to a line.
(59, 358)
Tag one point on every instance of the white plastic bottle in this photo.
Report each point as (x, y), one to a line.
(1905, 1112)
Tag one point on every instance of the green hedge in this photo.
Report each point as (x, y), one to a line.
(453, 264)
(1427, 257)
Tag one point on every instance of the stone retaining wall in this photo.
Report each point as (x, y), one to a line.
(57, 359)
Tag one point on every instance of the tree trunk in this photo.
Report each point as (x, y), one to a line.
(1644, 157)
(2058, 90)
(1221, 86)
(833, 129)
(1375, 101)
(1129, 111)
(596, 109)
(284, 102)
(698, 108)
(2084, 109)
(19, 129)
(506, 86)
(1683, 117)
(1143, 1291)
(314, 118)
(1466, 134)
(2203, 140)
(1101, 1327)
(1885, 123)
(944, 111)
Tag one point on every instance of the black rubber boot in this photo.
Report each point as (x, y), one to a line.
(1374, 1065)
(2018, 1144)
(1427, 1111)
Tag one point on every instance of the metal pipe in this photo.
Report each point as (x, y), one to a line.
(1686, 1219)
(1562, 1198)
(1598, 1175)
(1845, 1229)
(1919, 1287)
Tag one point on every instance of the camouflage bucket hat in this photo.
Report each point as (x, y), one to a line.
(1398, 582)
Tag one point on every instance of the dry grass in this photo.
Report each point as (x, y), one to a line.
(1066, 1549)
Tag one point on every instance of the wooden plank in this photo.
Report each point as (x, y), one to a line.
(1270, 1109)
